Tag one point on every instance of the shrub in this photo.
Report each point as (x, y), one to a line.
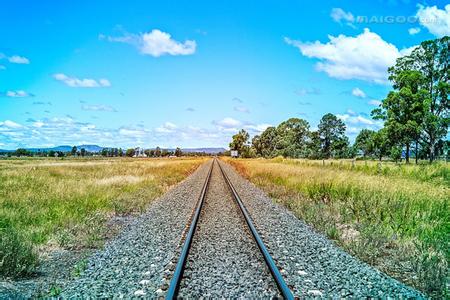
(17, 255)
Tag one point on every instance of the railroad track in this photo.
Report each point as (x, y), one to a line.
(217, 171)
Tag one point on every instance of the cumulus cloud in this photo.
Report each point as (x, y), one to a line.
(155, 43)
(355, 122)
(413, 30)
(227, 123)
(16, 59)
(167, 127)
(436, 20)
(98, 107)
(10, 124)
(18, 94)
(340, 16)
(76, 82)
(366, 56)
(357, 92)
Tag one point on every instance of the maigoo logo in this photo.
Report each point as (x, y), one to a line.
(394, 20)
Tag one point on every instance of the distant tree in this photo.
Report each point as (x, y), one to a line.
(240, 142)
(178, 152)
(364, 142)
(83, 152)
(158, 152)
(22, 152)
(164, 152)
(116, 152)
(331, 131)
(130, 152)
(74, 150)
(51, 153)
(152, 153)
(105, 152)
(120, 153)
(256, 145)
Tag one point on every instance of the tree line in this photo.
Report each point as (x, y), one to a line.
(415, 116)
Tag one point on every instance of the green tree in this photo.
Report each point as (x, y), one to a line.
(256, 145)
(403, 109)
(431, 60)
(22, 152)
(332, 135)
(178, 152)
(364, 142)
(267, 142)
(381, 144)
(129, 152)
(120, 153)
(291, 138)
(105, 152)
(158, 152)
(314, 145)
(74, 150)
(240, 142)
(83, 152)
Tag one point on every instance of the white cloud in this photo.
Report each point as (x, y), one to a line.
(357, 92)
(366, 56)
(10, 124)
(17, 94)
(257, 128)
(167, 127)
(241, 108)
(98, 107)
(436, 20)
(76, 82)
(339, 15)
(228, 123)
(374, 102)
(38, 124)
(16, 59)
(156, 43)
(413, 30)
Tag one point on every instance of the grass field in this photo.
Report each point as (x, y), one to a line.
(67, 203)
(394, 217)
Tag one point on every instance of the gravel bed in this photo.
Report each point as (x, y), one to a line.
(310, 263)
(135, 263)
(224, 261)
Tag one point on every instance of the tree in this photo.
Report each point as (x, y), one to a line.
(267, 142)
(314, 145)
(178, 152)
(105, 152)
(380, 143)
(403, 109)
(364, 142)
(158, 152)
(291, 137)
(240, 142)
(83, 152)
(431, 60)
(129, 152)
(22, 152)
(120, 153)
(331, 131)
(73, 151)
(256, 145)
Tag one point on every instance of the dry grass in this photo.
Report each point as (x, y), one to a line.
(387, 216)
(68, 202)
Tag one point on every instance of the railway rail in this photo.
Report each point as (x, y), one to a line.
(177, 277)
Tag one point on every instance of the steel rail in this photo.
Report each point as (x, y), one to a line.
(179, 269)
(282, 286)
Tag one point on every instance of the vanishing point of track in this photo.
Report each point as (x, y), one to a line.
(182, 260)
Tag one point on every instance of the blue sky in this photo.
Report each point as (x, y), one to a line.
(191, 73)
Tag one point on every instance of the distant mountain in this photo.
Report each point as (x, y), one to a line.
(96, 148)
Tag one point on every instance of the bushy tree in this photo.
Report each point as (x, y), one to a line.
(178, 152)
(74, 150)
(240, 142)
(364, 142)
(129, 152)
(291, 138)
(332, 135)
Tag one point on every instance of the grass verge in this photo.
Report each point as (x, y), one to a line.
(392, 220)
(67, 203)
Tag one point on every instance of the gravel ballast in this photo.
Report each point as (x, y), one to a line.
(310, 263)
(135, 263)
(224, 261)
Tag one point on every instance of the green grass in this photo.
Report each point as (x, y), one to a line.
(396, 219)
(47, 203)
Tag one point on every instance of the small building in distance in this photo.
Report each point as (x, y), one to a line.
(234, 153)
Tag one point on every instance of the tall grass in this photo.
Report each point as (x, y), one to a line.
(393, 220)
(66, 203)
